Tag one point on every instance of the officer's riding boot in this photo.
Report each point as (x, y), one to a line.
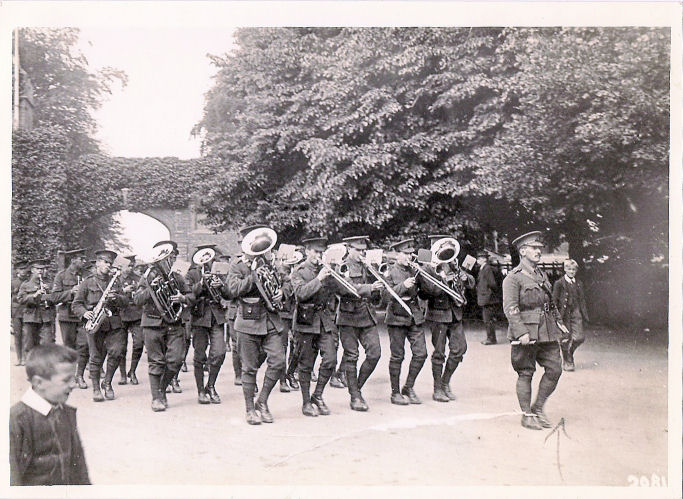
(157, 402)
(261, 403)
(307, 408)
(439, 394)
(96, 391)
(248, 390)
(450, 368)
(394, 378)
(211, 384)
(357, 403)
(317, 397)
(122, 371)
(106, 383)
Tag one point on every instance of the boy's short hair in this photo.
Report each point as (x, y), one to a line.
(43, 359)
(570, 263)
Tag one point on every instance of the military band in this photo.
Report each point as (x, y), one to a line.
(310, 301)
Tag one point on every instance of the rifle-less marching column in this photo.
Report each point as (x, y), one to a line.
(104, 339)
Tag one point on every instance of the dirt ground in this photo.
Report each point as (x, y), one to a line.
(614, 407)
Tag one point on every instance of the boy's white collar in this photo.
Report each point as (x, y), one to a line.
(35, 401)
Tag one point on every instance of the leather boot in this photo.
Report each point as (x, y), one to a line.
(203, 397)
(335, 382)
(96, 392)
(81, 382)
(409, 392)
(446, 379)
(158, 405)
(284, 387)
(253, 417)
(357, 402)
(439, 394)
(133, 378)
(398, 399)
(310, 410)
(213, 394)
(293, 383)
(262, 407)
(541, 417)
(531, 422)
(108, 390)
(175, 386)
(317, 400)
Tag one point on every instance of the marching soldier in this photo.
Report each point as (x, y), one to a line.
(63, 292)
(231, 314)
(313, 324)
(533, 330)
(402, 326)
(164, 336)
(38, 316)
(17, 309)
(286, 315)
(107, 340)
(444, 316)
(207, 319)
(131, 315)
(357, 323)
(258, 328)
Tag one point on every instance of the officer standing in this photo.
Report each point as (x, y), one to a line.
(207, 318)
(488, 296)
(402, 326)
(63, 292)
(17, 309)
(131, 315)
(444, 316)
(107, 340)
(164, 336)
(259, 330)
(532, 329)
(357, 323)
(313, 324)
(38, 317)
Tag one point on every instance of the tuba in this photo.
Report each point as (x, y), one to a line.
(201, 258)
(162, 285)
(257, 244)
(445, 251)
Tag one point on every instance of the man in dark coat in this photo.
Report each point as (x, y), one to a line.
(570, 299)
(488, 296)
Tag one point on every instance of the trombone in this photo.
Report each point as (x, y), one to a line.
(347, 285)
(435, 281)
(336, 253)
(379, 277)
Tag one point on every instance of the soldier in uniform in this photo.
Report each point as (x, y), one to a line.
(570, 300)
(38, 316)
(488, 296)
(259, 331)
(444, 316)
(402, 326)
(357, 324)
(207, 318)
(313, 324)
(532, 330)
(131, 315)
(107, 340)
(231, 314)
(164, 338)
(63, 291)
(17, 309)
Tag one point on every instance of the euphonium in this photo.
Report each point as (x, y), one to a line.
(203, 257)
(258, 243)
(445, 251)
(162, 285)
